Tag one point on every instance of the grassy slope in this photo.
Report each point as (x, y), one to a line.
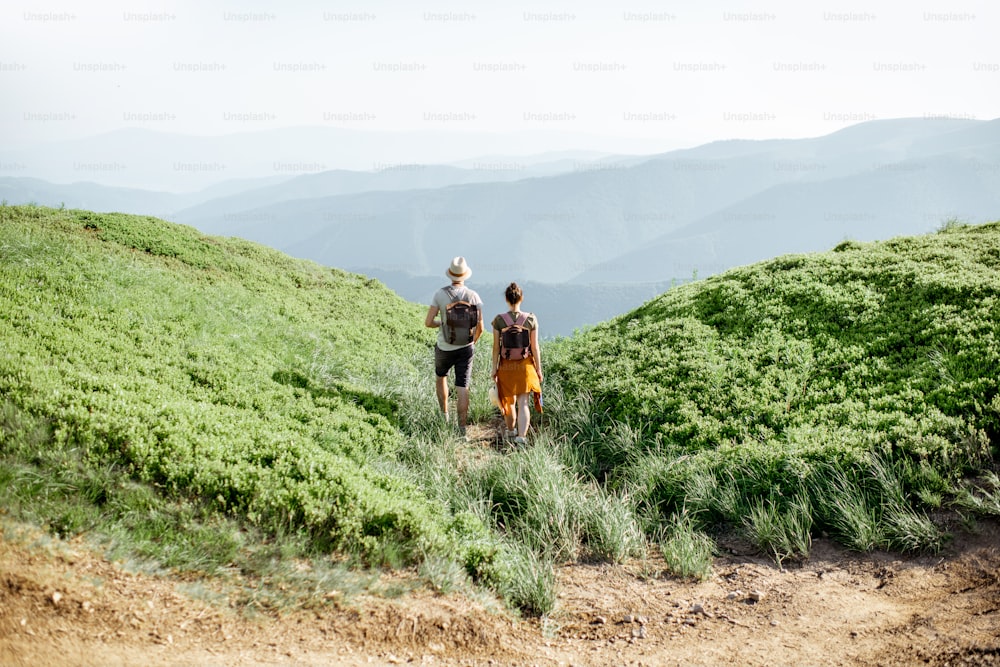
(144, 364)
(214, 369)
(769, 388)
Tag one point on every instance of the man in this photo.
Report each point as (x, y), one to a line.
(459, 327)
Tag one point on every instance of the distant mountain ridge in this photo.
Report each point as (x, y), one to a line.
(576, 220)
(161, 160)
(223, 215)
(909, 196)
(90, 195)
(873, 180)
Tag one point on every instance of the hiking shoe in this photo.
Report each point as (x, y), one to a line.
(520, 440)
(509, 435)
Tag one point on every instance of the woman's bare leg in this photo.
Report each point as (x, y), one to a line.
(523, 414)
(510, 416)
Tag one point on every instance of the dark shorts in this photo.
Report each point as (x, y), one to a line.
(460, 359)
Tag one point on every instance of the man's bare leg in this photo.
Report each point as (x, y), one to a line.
(462, 400)
(442, 394)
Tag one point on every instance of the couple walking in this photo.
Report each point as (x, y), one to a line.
(516, 358)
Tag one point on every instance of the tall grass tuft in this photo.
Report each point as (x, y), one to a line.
(529, 581)
(845, 509)
(611, 530)
(535, 500)
(905, 528)
(783, 529)
(981, 496)
(687, 551)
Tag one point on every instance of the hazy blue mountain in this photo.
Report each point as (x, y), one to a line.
(216, 209)
(541, 164)
(892, 199)
(96, 197)
(891, 139)
(592, 234)
(575, 225)
(165, 161)
(541, 229)
(89, 196)
(236, 186)
(225, 215)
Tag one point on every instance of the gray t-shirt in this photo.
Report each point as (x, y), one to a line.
(442, 298)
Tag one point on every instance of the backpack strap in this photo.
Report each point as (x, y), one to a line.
(507, 319)
(452, 298)
(521, 321)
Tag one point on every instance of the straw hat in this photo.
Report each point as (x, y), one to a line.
(458, 270)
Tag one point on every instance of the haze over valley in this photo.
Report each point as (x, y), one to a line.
(591, 234)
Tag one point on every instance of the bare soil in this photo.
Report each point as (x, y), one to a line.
(63, 604)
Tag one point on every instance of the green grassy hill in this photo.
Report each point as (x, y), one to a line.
(211, 406)
(213, 370)
(849, 391)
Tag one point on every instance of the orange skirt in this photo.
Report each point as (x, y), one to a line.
(515, 378)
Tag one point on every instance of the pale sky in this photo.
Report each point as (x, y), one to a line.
(672, 73)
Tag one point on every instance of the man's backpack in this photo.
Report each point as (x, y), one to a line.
(515, 338)
(460, 320)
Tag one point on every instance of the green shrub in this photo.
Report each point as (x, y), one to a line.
(213, 369)
(841, 391)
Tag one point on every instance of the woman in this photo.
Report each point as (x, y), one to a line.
(517, 363)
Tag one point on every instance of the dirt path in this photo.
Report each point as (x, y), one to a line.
(60, 604)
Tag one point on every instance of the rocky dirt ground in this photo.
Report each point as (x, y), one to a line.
(63, 604)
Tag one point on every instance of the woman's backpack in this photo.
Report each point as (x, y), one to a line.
(515, 338)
